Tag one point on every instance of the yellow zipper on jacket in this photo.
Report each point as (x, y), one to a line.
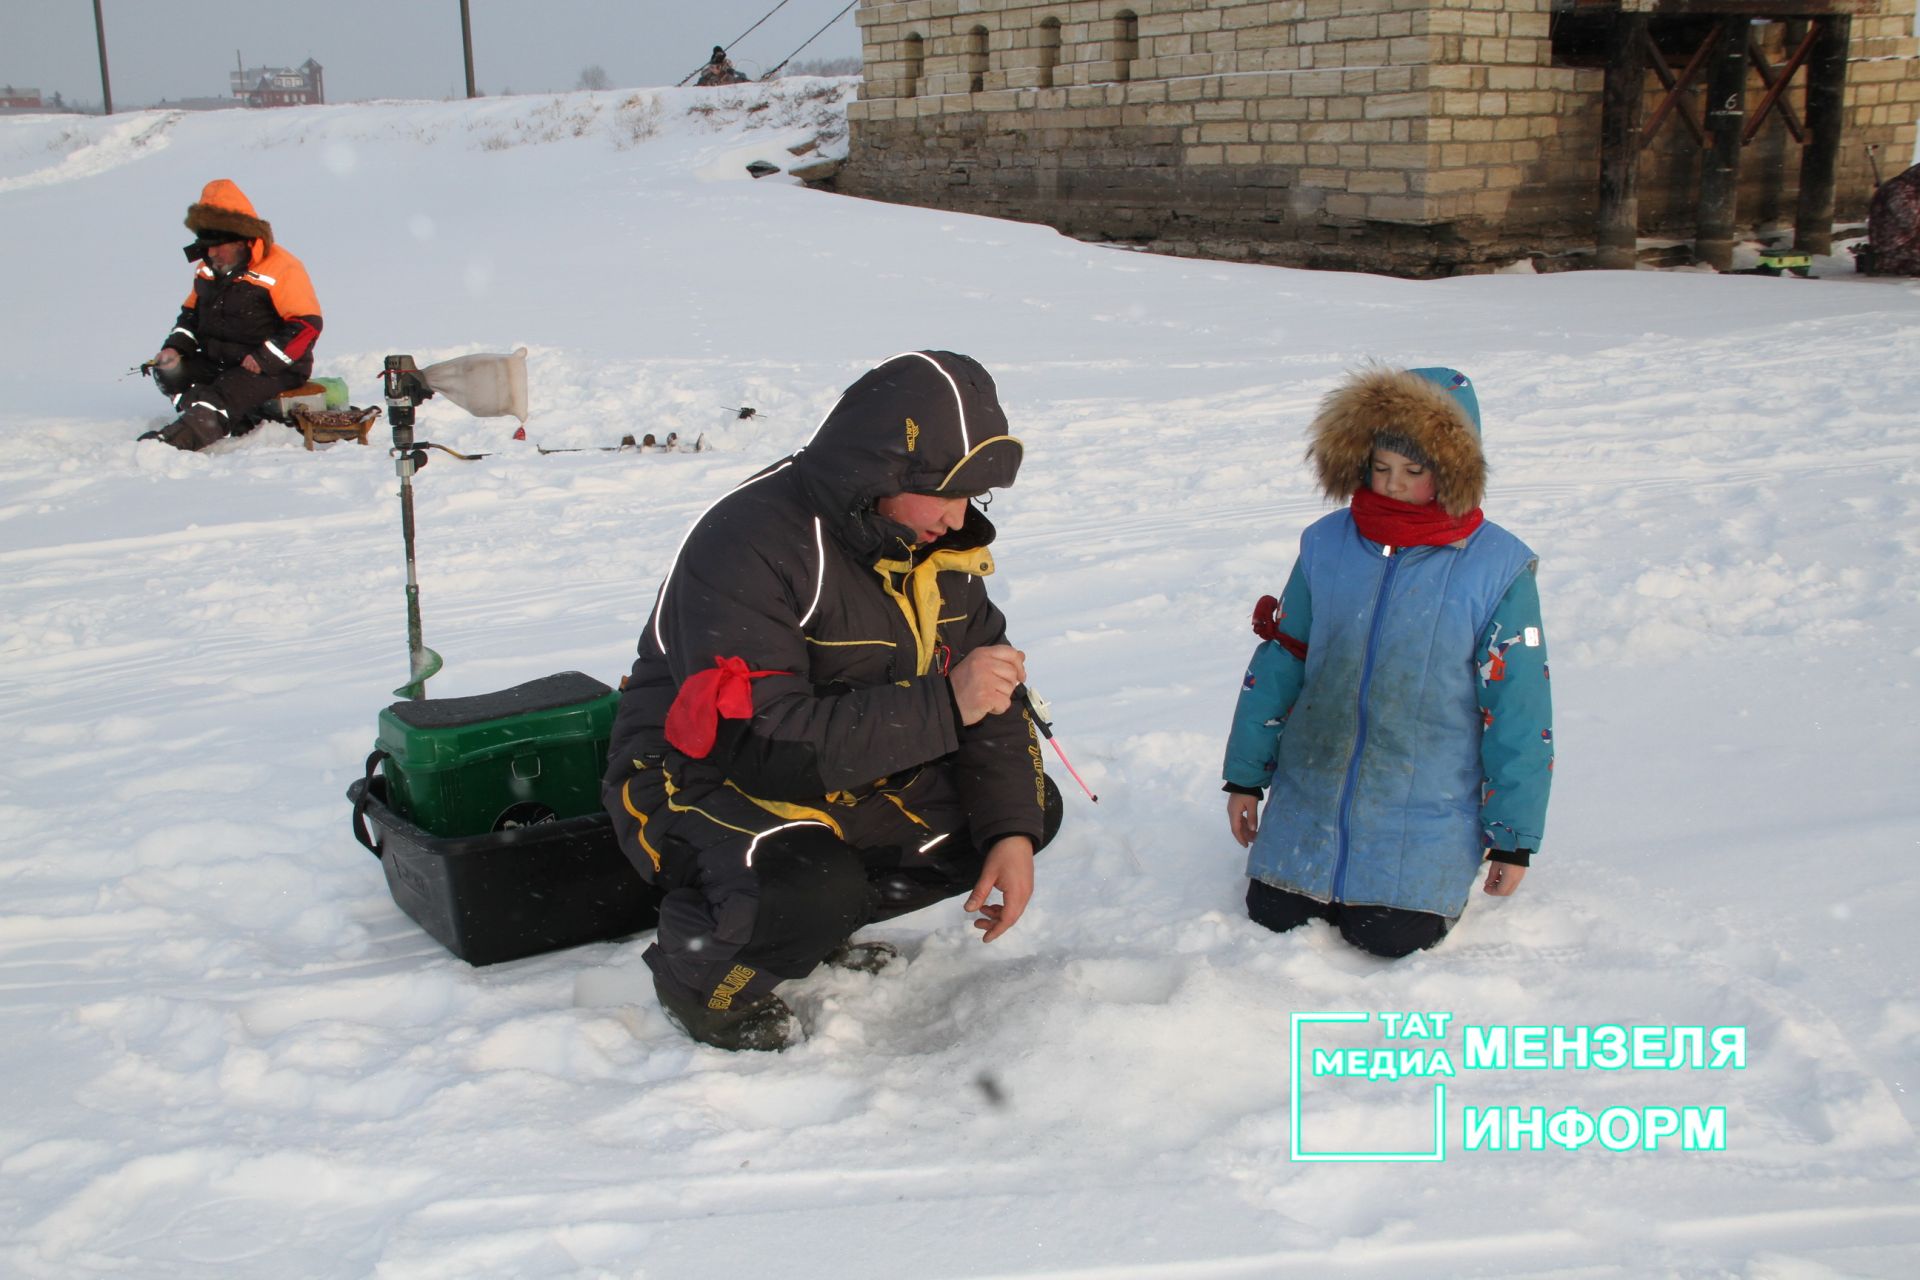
(920, 602)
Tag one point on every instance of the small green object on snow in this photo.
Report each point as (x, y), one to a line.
(1774, 261)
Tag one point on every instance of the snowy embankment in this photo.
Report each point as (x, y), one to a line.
(226, 1053)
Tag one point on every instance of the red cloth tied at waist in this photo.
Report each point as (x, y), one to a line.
(1267, 616)
(724, 689)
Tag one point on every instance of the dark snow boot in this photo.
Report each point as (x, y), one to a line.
(861, 957)
(765, 1024)
(195, 429)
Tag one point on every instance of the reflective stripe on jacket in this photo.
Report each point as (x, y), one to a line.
(268, 311)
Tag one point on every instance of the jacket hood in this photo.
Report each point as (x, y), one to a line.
(922, 422)
(1435, 410)
(223, 212)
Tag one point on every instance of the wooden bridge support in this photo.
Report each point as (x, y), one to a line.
(1819, 159)
(1726, 120)
(1623, 100)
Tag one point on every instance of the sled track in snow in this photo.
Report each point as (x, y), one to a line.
(126, 140)
(1533, 1252)
(199, 534)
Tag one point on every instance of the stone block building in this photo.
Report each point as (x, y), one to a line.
(1421, 137)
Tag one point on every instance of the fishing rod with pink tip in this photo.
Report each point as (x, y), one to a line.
(1042, 713)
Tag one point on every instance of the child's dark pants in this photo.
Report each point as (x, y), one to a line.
(1385, 931)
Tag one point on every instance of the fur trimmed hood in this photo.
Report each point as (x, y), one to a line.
(224, 210)
(1433, 409)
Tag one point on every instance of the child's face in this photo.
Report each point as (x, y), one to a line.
(1394, 475)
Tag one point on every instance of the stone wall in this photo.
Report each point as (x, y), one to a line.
(1416, 136)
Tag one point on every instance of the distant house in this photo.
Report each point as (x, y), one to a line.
(1420, 137)
(279, 86)
(21, 99)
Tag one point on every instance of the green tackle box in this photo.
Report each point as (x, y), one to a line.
(485, 815)
(495, 761)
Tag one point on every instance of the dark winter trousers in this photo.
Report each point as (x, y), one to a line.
(721, 939)
(217, 402)
(1385, 931)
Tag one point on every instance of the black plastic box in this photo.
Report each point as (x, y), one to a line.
(504, 895)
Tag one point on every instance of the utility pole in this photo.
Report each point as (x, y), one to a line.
(466, 41)
(100, 36)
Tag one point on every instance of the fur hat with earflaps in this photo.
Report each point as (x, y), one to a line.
(1429, 415)
(223, 212)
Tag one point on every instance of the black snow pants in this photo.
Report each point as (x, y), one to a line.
(809, 891)
(215, 402)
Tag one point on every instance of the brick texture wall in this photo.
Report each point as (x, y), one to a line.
(1413, 136)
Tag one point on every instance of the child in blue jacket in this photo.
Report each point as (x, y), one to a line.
(1398, 706)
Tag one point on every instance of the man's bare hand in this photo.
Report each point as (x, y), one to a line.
(250, 365)
(1010, 870)
(984, 681)
(166, 358)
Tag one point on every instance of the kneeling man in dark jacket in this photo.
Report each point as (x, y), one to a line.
(823, 728)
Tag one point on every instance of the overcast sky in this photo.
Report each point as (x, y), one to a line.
(396, 48)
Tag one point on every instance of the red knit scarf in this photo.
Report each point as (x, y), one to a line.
(1401, 524)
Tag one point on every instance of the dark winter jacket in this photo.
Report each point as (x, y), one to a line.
(1893, 226)
(797, 574)
(719, 71)
(267, 311)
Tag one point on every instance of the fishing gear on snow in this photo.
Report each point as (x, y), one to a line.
(1042, 713)
(405, 389)
(485, 810)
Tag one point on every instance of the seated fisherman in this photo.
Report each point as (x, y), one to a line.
(246, 331)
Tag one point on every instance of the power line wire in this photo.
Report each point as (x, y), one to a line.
(809, 40)
(743, 35)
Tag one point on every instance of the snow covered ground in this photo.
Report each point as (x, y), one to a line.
(224, 1052)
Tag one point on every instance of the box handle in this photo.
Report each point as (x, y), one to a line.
(366, 798)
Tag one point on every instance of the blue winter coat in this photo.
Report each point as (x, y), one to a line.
(1404, 724)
